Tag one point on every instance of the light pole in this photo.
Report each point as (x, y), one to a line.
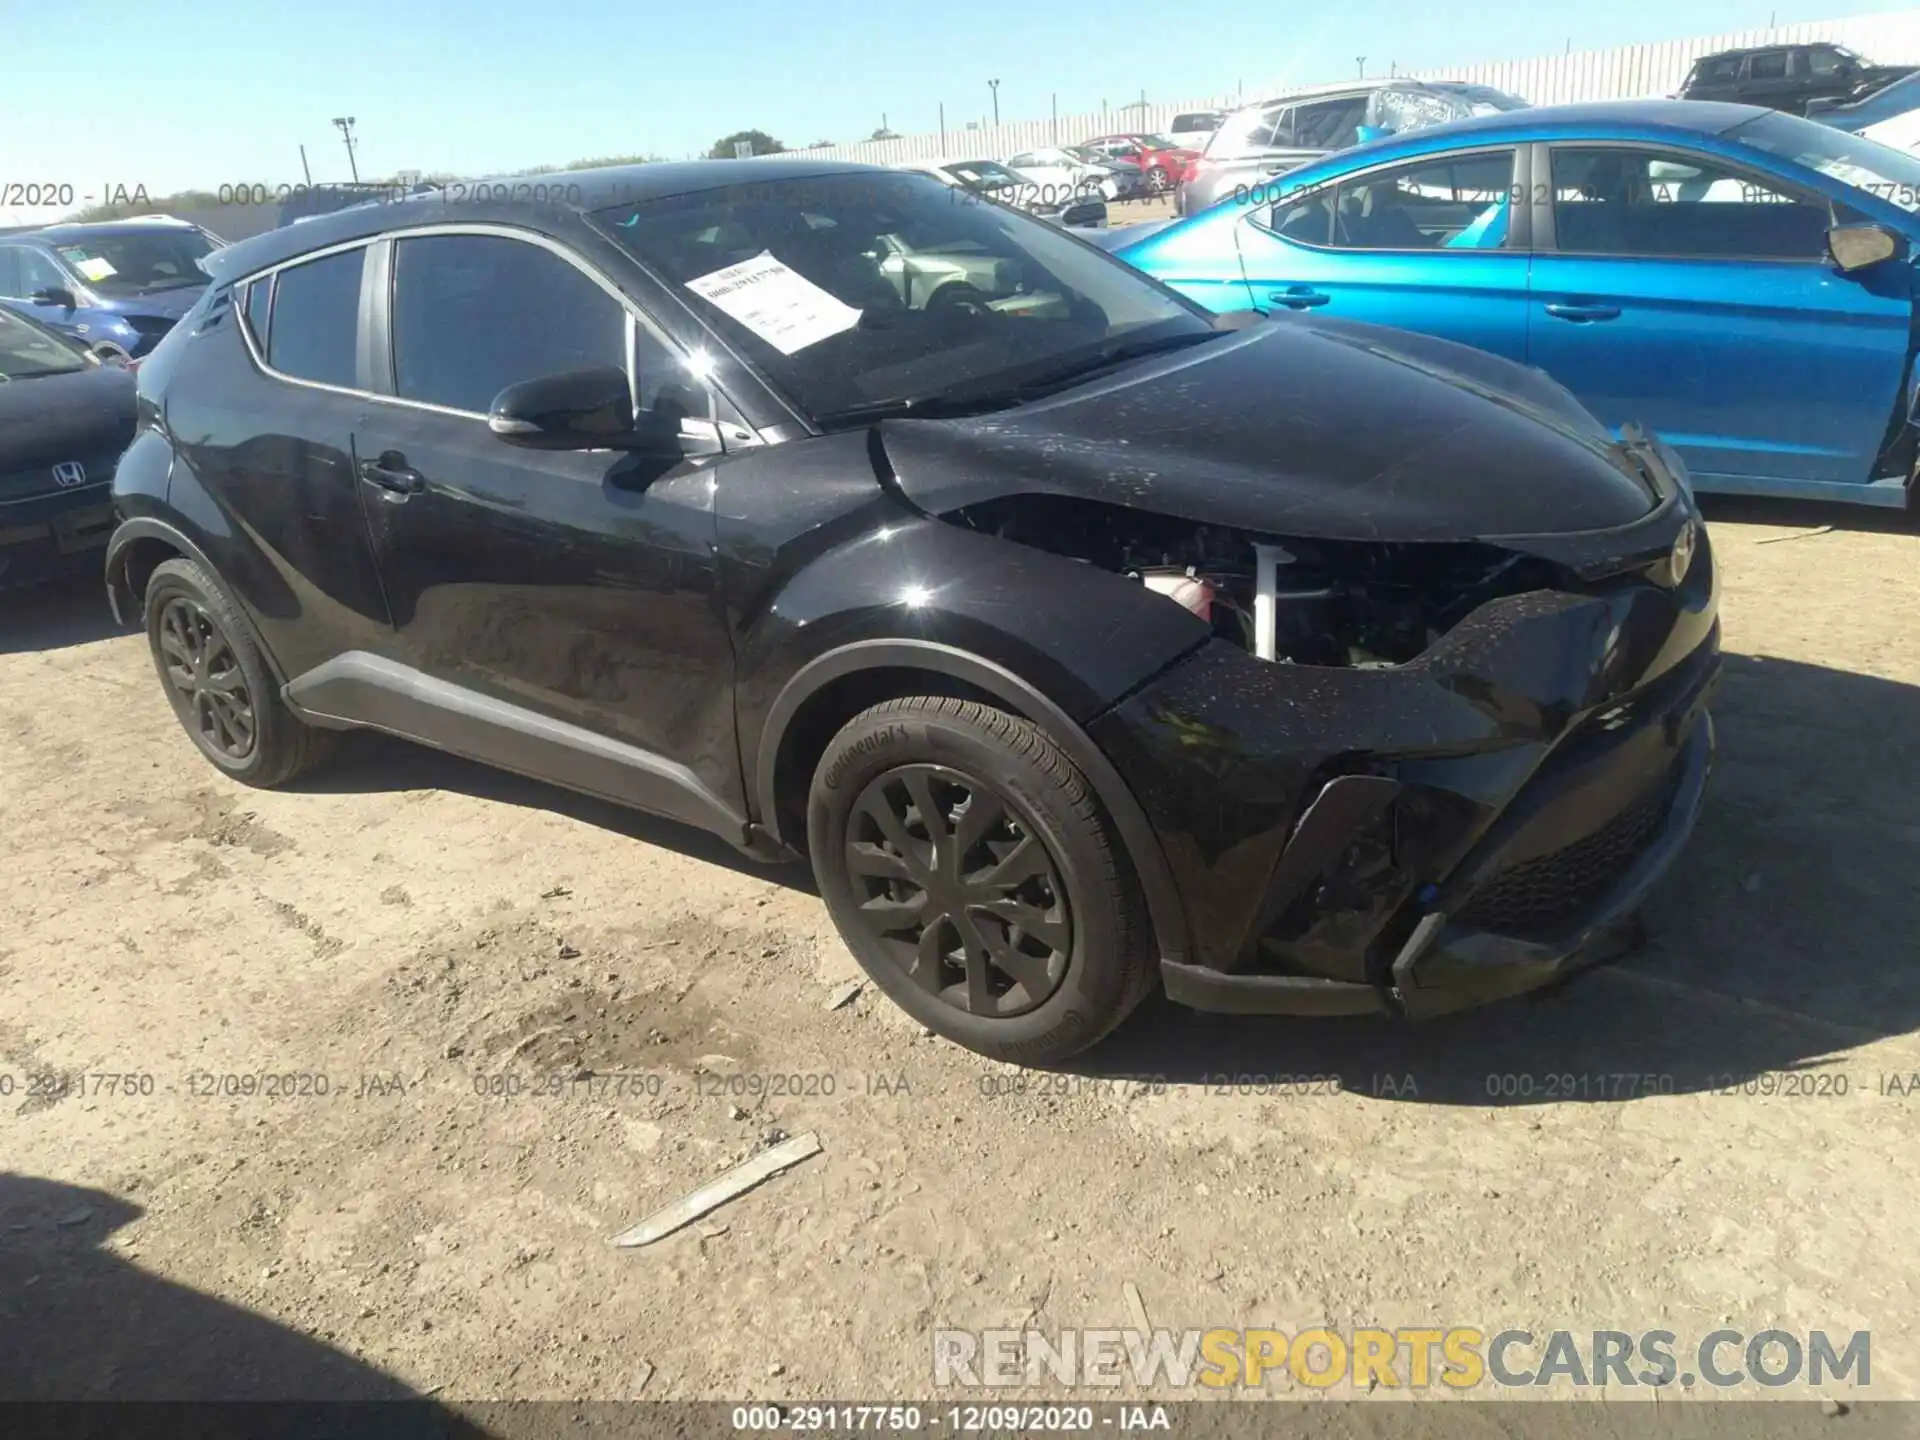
(345, 123)
(1361, 61)
(994, 86)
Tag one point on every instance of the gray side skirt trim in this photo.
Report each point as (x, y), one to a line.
(367, 691)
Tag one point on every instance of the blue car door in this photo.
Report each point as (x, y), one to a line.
(1435, 244)
(1686, 294)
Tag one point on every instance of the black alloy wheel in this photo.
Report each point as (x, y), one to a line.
(959, 889)
(204, 669)
(219, 683)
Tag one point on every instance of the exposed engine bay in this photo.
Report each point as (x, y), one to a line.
(1338, 603)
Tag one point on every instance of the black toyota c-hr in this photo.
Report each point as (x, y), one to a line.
(1083, 643)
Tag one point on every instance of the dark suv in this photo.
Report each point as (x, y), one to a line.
(1786, 77)
(1081, 641)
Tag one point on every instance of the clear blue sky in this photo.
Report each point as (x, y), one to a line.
(170, 94)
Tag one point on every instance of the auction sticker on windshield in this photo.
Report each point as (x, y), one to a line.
(776, 302)
(94, 268)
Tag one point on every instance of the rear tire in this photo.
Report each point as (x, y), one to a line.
(975, 877)
(219, 684)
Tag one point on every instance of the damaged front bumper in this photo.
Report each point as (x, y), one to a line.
(1417, 839)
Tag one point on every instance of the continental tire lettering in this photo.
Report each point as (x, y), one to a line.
(860, 750)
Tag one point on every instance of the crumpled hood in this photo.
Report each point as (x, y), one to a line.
(1300, 426)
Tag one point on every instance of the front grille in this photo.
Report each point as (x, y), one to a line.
(1540, 894)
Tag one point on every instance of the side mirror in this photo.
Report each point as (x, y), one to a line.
(1854, 247)
(590, 410)
(55, 295)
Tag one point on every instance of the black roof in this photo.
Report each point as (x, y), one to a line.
(518, 197)
(1777, 45)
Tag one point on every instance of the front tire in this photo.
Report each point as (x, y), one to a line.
(974, 875)
(1158, 181)
(218, 683)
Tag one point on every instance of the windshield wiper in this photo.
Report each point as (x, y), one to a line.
(942, 406)
(1003, 392)
(1088, 364)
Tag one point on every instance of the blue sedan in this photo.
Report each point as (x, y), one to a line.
(1738, 280)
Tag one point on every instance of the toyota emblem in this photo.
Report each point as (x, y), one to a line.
(69, 474)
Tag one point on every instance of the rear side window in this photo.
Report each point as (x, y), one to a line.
(473, 314)
(1772, 65)
(1329, 124)
(1453, 203)
(316, 314)
(259, 297)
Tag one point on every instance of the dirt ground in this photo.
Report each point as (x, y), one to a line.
(508, 1023)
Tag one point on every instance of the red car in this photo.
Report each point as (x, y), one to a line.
(1163, 163)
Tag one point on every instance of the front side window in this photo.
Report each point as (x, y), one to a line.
(316, 320)
(913, 293)
(473, 314)
(138, 262)
(1619, 201)
(1823, 61)
(27, 273)
(1456, 203)
(1719, 70)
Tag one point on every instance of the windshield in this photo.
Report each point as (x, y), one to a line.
(27, 351)
(859, 290)
(1159, 142)
(137, 262)
(1880, 170)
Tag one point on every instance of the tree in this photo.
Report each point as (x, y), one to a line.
(762, 143)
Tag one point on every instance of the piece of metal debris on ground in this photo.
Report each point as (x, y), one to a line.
(717, 1192)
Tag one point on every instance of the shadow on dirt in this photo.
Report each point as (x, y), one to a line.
(1806, 514)
(81, 1323)
(371, 764)
(1782, 940)
(52, 617)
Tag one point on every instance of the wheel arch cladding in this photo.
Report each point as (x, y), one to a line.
(802, 720)
(137, 546)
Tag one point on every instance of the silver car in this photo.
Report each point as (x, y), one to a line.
(1288, 131)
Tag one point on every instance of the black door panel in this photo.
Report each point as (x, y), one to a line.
(577, 584)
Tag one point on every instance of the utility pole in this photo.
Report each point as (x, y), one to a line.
(304, 170)
(1361, 61)
(345, 124)
(994, 86)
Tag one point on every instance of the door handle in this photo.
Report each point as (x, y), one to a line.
(390, 471)
(1298, 297)
(1581, 313)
